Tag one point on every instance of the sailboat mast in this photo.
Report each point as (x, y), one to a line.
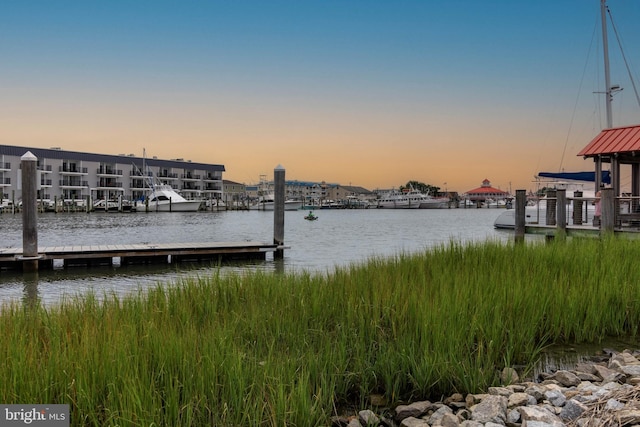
(607, 76)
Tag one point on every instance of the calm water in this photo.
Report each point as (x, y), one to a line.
(338, 237)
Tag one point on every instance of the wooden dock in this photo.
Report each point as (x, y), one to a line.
(551, 231)
(147, 253)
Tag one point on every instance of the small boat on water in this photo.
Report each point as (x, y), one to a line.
(266, 202)
(164, 198)
(266, 199)
(310, 217)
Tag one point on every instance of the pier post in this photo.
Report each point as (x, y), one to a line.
(607, 204)
(278, 210)
(29, 164)
(521, 202)
(577, 207)
(551, 207)
(561, 217)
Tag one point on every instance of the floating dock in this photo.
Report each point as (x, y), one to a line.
(147, 253)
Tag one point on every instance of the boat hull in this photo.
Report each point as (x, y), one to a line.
(434, 204)
(289, 205)
(398, 205)
(186, 206)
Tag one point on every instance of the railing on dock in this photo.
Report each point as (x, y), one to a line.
(617, 214)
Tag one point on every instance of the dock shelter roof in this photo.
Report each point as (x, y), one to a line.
(622, 140)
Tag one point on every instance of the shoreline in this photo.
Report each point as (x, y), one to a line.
(603, 391)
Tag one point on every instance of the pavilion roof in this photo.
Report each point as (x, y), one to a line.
(615, 140)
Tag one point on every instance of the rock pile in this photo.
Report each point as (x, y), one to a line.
(599, 393)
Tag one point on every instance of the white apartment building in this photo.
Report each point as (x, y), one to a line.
(72, 175)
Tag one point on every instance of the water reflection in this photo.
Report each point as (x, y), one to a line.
(31, 296)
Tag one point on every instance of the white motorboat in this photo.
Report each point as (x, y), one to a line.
(266, 202)
(430, 202)
(400, 200)
(164, 198)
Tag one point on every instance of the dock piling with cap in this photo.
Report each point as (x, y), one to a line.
(29, 257)
(278, 211)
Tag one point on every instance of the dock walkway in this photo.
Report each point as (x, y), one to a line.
(144, 253)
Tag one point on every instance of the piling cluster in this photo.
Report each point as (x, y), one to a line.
(602, 392)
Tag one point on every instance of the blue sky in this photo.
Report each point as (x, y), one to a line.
(372, 93)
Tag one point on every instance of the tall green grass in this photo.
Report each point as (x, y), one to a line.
(291, 349)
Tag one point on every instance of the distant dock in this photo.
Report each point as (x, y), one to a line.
(148, 253)
(32, 257)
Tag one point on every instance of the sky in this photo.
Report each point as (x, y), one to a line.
(366, 93)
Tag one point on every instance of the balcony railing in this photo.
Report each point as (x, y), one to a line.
(109, 171)
(73, 183)
(189, 176)
(109, 184)
(72, 169)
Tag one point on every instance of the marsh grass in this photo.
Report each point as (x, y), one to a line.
(290, 349)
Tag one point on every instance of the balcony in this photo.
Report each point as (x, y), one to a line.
(5, 182)
(72, 169)
(189, 186)
(136, 183)
(189, 176)
(107, 171)
(167, 175)
(137, 174)
(73, 183)
(108, 183)
(5, 167)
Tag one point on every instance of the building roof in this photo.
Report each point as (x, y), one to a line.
(356, 189)
(615, 140)
(56, 153)
(486, 189)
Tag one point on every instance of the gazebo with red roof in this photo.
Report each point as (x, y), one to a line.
(485, 192)
(617, 146)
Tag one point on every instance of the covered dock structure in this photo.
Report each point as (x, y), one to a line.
(620, 148)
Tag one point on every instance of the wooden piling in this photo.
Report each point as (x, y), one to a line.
(607, 219)
(29, 168)
(577, 207)
(561, 214)
(521, 202)
(278, 211)
(551, 206)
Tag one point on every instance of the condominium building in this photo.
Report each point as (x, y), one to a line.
(76, 175)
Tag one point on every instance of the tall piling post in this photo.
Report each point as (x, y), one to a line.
(521, 202)
(577, 208)
(561, 213)
(278, 211)
(608, 218)
(551, 206)
(29, 164)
